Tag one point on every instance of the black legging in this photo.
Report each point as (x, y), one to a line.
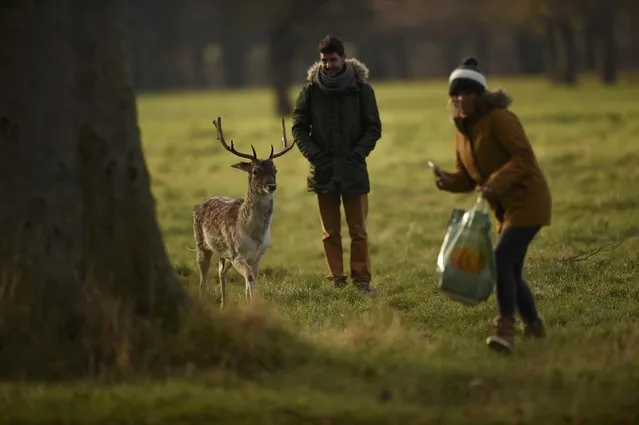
(512, 292)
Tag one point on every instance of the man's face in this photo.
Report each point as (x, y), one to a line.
(332, 63)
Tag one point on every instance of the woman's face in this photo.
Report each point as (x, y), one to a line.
(464, 103)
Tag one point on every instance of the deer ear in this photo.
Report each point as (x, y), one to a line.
(244, 166)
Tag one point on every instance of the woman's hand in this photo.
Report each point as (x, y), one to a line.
(488, 193)
(442, 178)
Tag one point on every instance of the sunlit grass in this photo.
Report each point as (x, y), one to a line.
(406, 355)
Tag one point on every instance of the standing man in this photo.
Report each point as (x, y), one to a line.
(336, 126)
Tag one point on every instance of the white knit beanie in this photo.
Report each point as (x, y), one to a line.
(467, 78)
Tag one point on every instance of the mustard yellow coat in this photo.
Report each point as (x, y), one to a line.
(493, 150)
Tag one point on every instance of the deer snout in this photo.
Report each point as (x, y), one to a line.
(271, 187)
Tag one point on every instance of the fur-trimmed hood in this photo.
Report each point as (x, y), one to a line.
(484, 104)
(361, 70)
(490, 100)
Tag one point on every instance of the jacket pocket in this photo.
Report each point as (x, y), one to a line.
(355, 172)
(355, 158)
(322, 170)
(515, 196)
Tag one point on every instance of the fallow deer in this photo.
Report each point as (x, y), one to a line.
(237, 230)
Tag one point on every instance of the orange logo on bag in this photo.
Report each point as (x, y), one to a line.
(467, 260)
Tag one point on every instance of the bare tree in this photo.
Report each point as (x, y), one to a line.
(558, 18)
(602, 17)
(284, 27)
(78, 218)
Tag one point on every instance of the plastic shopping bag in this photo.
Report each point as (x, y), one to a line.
(466, 263)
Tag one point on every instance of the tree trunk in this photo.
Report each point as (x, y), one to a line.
(563, 50)
(370, 47)
(78, 220)
(482, 48)
(568, 54)
(281, 56)
(530, 50)
(233, 40)
(282, 50)
(452, 53)
(608, 60)
(234, 53)
(590, 45)
(399, 55)
(552, 63)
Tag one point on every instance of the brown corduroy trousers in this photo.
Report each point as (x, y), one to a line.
(356, 212)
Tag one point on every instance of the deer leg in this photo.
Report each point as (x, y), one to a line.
(254, 268)
(223, 266)
(249, 277)
(203, 260)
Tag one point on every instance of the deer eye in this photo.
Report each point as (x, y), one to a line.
(255, 171)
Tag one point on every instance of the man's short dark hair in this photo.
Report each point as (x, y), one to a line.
(331, 44)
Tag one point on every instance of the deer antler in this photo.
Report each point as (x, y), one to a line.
(285, 148)
(220, 136)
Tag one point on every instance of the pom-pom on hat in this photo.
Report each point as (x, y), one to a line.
(467, 78)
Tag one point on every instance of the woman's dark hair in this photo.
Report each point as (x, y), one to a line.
(486, 101)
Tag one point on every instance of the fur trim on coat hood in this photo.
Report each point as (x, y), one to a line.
(361, 70)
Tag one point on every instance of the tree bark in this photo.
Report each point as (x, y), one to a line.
(77, 216)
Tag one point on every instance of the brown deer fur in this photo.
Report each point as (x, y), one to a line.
(237, 230)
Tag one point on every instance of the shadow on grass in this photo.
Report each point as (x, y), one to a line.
(242, 367)
(112, 342)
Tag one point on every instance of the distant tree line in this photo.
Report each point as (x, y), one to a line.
(221, 43)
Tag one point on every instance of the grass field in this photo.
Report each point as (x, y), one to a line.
(407, 355)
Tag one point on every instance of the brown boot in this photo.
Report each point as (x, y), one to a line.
(338, 282)
(503, 339)
(535, 329)
(364, 287)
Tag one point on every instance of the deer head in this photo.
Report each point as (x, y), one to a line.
(261, 171)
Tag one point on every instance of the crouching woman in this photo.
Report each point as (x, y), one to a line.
(495, 157)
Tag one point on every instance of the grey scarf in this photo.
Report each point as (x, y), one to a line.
(337, 83)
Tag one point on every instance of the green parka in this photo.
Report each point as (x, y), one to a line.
(336, 132)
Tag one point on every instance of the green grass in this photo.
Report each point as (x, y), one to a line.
(407, 355)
